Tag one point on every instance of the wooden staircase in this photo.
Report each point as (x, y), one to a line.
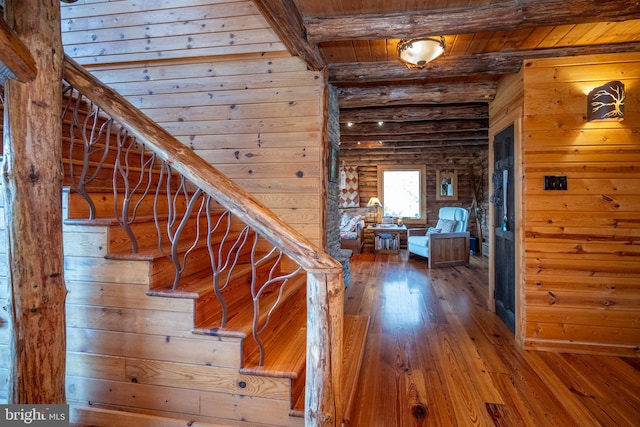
(142, 342)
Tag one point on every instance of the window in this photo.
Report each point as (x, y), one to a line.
(402, 191)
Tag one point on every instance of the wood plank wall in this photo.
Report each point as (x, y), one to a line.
(582, 273)
(215, 75)
(465, 160)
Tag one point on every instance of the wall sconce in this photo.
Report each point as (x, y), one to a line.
(606, 102)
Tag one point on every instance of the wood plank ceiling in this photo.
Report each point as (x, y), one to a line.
(444, 103)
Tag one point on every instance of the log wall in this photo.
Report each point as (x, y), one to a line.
(582, 275)
(214, 74)
(464, 160)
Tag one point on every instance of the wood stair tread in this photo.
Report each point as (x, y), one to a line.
(152, 253)
(240, 319)
(354, 341)
(286, 350)
(192, 287)
(197, 285)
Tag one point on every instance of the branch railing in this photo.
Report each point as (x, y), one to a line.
(226, 221)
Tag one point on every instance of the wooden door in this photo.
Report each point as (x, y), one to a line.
(503, 234)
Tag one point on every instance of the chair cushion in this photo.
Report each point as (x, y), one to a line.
(418, 240)
(349, 223)
(349, 235)
(460, 215)
(446, 225)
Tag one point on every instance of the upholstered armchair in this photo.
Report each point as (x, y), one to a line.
(446, 244)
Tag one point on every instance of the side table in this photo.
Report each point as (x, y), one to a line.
(386, 238)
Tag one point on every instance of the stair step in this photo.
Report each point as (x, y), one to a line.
(354, 341)
(284, 344)
(240, 310)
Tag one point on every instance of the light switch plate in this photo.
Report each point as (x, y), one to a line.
(555, 182)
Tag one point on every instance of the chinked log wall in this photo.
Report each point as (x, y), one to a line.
(580, 270)
(216, 76)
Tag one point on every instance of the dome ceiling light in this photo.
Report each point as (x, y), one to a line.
(416, 53)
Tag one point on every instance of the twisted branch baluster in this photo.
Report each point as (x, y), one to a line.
(225, 261)
(257, 291)
(91, 144)
(127, 215)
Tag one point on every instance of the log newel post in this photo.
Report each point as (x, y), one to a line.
(325, 306)
(32, 178)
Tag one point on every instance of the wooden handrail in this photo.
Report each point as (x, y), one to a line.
(325, 286)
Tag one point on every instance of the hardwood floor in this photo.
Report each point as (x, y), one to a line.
(435, 356)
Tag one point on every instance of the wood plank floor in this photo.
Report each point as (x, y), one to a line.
(435, 356)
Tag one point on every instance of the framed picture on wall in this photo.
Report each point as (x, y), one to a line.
(446, 185)
(333, 165)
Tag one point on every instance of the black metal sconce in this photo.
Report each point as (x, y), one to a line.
(606, 102)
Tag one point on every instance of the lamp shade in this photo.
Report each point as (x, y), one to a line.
(606, 102)
(418, 52)
(374, 202)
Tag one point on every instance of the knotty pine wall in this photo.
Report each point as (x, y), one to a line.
(464, 160)
(214, 74)
(581, 270)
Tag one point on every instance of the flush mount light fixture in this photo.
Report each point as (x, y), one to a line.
(416, 53)
(606, 102)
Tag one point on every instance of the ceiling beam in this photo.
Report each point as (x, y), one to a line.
(504, 62)
(432, 93)
(418, 138)
(414, 113)
(285, 20)
(15, 56)
(413, 145)
(395, 128)
(503, 16)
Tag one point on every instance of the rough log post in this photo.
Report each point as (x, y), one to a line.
(33, 176)
(323, 393)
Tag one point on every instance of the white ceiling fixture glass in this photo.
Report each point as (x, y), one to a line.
(417, 53)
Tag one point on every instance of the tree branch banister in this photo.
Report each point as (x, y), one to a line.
(234, 198)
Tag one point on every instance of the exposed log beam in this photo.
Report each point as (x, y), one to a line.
(493, 63)
(419, 138)
(412, 113)
(394, 128)
(414, 146)
(503, 16)
(447, 93)
(15, 56)
(286, 21)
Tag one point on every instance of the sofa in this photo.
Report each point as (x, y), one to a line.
(446, 244)
(352, 232)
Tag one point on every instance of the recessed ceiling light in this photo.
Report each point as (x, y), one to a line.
(380, 123)
(349, 124)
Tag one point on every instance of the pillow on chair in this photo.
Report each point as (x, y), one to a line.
(433, 230)
(446, 225)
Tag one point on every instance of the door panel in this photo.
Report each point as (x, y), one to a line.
(503, 237)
